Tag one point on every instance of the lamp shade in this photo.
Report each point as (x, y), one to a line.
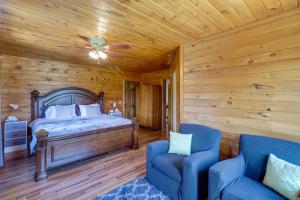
(14, 106)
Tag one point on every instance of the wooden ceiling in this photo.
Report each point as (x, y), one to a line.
(153, 28)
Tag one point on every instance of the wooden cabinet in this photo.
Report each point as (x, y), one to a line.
(150, 106)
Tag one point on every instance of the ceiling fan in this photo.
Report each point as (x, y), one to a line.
(99, 49)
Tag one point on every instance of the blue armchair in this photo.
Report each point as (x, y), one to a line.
(184, 177)
(240, 177)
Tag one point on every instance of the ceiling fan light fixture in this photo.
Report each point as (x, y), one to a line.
(102, 55)
(93, 54)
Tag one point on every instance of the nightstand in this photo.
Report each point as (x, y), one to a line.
(116, 114)
(15, 135)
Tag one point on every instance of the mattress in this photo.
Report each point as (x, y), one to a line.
(73, 126)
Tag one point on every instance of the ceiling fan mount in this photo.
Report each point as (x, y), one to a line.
(97, 41)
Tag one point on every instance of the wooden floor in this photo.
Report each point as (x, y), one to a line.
(82, 181)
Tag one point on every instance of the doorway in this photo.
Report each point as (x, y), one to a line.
(165, 106)
(131, 100)
(150, 106)
(174, 101)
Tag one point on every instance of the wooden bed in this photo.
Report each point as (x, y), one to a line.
(52, 152)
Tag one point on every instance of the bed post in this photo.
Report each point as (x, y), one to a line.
(34, 107)
(101, 98)
(135, 134)
(41, 155)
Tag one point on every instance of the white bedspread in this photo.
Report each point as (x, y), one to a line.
(71, 126)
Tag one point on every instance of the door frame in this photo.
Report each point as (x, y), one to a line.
(164, 124)
(175, 69)
(137, 99)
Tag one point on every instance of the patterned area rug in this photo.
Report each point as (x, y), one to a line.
(138, 189)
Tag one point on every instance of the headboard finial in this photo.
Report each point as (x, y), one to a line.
(34, 104)
(101, 99)
(34, 95)
(101, 95)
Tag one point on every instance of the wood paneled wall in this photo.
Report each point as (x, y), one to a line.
(155, 78)
(19, 76)
(246, 80)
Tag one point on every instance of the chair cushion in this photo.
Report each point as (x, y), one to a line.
(170, 165)
(249, 189)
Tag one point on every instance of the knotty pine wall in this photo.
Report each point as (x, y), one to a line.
(246, 80)
(155, 78)
(19, 76)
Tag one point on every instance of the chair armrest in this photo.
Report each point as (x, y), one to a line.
(223, 173)
(195, 172)
(155, 149)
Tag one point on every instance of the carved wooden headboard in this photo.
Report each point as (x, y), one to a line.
(63, 96)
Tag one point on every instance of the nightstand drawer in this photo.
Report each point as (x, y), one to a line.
(12, 126)
(15, 142)
(15, 134)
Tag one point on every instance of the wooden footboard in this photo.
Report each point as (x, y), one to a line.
(53, 152)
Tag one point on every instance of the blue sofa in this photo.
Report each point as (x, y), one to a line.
(241, 177)
(184, 177)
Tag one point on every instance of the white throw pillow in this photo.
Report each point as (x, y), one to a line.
(180, 143)
(50, 113)
(92, 110)
(65, 111)
(283, 177)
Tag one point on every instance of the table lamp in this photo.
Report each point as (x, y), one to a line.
(12, 117)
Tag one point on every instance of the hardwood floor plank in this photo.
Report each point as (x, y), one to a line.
(84, 180)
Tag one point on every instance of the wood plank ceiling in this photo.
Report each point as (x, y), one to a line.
(36, 28)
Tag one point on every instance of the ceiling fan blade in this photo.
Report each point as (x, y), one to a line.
(74, 46)
(117, 46)
(116, 55)
(85, 38)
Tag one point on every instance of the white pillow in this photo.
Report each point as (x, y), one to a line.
(283, 177)
(92, 110)
(50, 113)
(180, 143)
(60, 112)
(65, 111)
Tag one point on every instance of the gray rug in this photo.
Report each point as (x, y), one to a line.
(138, 189)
